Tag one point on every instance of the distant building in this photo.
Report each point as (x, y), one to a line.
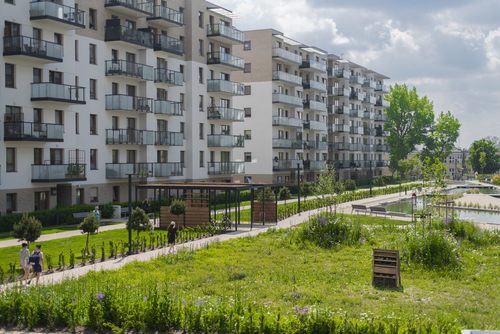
(456, 164)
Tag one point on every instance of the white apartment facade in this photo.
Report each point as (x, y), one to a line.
(456, 164)
(94, 90)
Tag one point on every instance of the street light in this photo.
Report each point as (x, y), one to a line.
(371, 177)
(298, 186)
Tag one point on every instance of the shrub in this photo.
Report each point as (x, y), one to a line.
(496, 179)
(436, 249)
(471, 232)
(379, 181)
(285, 193)
(89, 225)
(178, 207)
(349, 184)
(139, 221)
(28, 228)
(107, 211)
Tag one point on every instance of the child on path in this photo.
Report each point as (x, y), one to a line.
(25, 263)
(171, 234)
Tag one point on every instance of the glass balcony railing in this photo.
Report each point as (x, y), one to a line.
(225, 86)
(226, 59)
(144, 169)
(170, 77)
(370, 84)
(129, 137)
(27, 46)
(357, 80)
(142, 6)
(367, 115)
(340, 128)
(287, 77)
(381, 88)
(348, 163)
(369, 99)
(129, 103)
(340, 73)
(129, 69)
(354, 113)
(382, 103)
(225, 141)
(341, 91)
(287, 55)
(168, 15)
(279, 165)
(381, 148)
(58, 173)
(315, 125)
(168, 44)
(28, 131)
(314, 164)
(226, 167)
(125, 34)
(311, 84)
(342, 110)
(226, 114)
(287, 121)
(287, 143)
(51, 10)
(166, 107)
(287, 99)
(314, 65)
(380, 117)
(358, 96)
(315, 105)
(356, 130)
(48, 91)
(226, 31)
(168, 138)
(316, 145)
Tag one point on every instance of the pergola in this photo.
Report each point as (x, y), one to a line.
(206, 195)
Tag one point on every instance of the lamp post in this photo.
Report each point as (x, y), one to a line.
(298, 186)
(129, 225)
(371, 178)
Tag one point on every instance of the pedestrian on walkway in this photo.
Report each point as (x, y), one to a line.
(36, 259)
(25, 262)
(97, 215)
(171, 234)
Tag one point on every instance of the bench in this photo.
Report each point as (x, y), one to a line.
(79, 216)
(359, 208)
(379, 210)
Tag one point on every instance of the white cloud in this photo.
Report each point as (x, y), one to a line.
(492, 48)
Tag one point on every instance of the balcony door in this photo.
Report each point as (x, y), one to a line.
(56, 156)
(55, 77)
(131, 156)
(225, 156)
(11, 29)
(131, 135)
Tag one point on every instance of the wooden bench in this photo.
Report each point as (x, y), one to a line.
(359, 208)
(379, 210)
(386, 268)
(79, 216)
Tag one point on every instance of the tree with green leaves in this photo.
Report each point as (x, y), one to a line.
(411, 167)
(484, 156)
(139, 221)
(434, 171)
(89, 225)
(28, 229)
(409, 119)
(328, 184)
(442, 137)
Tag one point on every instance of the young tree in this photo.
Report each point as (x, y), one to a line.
(442, 138)
(139, 221)
(411, 167)
(484, 156)
(28, 229)
(409, 118)
(89, 225)
(284, 193)
(329, 184)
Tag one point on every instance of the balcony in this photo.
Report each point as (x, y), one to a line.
(226, 34)
(226, 114)
(347, 147)
(341, 92)
(340, 128)
(315, 125)
(48, 91)
(381, 148)
(358, 96)
(293, 144)
(380, 118)
(357, 80)
(129, 69)
(316, 145)
(168, 44)
(114, 32)
(169, 138)
(369, 84)
(286, 165)
(354, 113)
(313, 65)
(368, 131)
(129, 103)
(314, 165)
(225, 141)
(287, 121)
(287, 56)
(288, 78)
(379, 132)
(65, 16)
(226, 168)
(58, 173)
(225, 87)
(31, 47)
(382, 103)
(133, 8)
(287, 99)
(356, 130)
(348, 164)
(381, 88)
(166, 17)
(144, 169)
(341, 110)
(169, 77)
(129, 137)
(166, 107)
(367, 115)
(369, 99)
(316, 85)
(28, 131)
(315, 105)
(225, 60)
(381, 163)
(340, 73)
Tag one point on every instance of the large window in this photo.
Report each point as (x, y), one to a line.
(92, 54)
(93, 159)
(93, 124)
(93, 89)
(41, 200)
(92, 19)
(10, 75)
(11, 203)
(10, 160)
(202, 159)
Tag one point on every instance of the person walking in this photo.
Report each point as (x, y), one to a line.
(25, 262)
(36, 259)
(97, 215)
(171, 234)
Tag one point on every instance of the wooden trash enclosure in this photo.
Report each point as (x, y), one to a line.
(386, 268)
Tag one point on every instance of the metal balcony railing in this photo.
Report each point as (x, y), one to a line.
(142, 6)
(28, 46)
(143, 169)
(166, 107)
(29, 131)
(287, 121)
(222, 58)
(225, 86)
(226, 31)
(287, 55)
(279, 165)
(51, 10)
(129, 69)
(166, 76)
(287, 99)
(287, 143)
(167, 14)
(58, 173)
(168, 44)
(226, 114)
(48, 91)
(129, 103)
(126, 34)
(226, 167)
(225, 141)
(287, 77)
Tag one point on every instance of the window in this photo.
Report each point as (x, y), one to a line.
(56, 156)
(92, 54)
(37, 75)
(93, 89)
(92, 19)
(11, 203)
(248, 112)
(77, 56)
(58, 38)
(131, 156)
(200, 75)
(10, 75)
(181, 158)
(59, 117)
(94, 196)
(201, 47)
(77, 123)
(93, 124)
(56, 77)
(181, 69)
(248, 156)
(248, 90)
(93, 159)
(115, 156)
(200, 104)
(202, 159)
(41, 200)
(181, 100)
(247, 68)
(116, 193)
(200, 19)
(80, 195)
(10, 159)
(37, 156)
(247, 45)
(162, 156)
(182, 129)
(202, 135)
(248, 134)
(12, 3)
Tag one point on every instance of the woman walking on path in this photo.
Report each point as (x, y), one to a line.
(25, 263)
(171, 234)
(36, 259)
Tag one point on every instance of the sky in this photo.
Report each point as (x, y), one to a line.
(448, 49)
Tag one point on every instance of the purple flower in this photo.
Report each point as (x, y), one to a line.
(201, 302)
(99, 296)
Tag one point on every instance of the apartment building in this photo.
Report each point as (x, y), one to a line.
(95, 90)
(456, 164)
(286, 107)
(356, 104)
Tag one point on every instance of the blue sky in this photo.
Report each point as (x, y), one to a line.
(448, 49)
